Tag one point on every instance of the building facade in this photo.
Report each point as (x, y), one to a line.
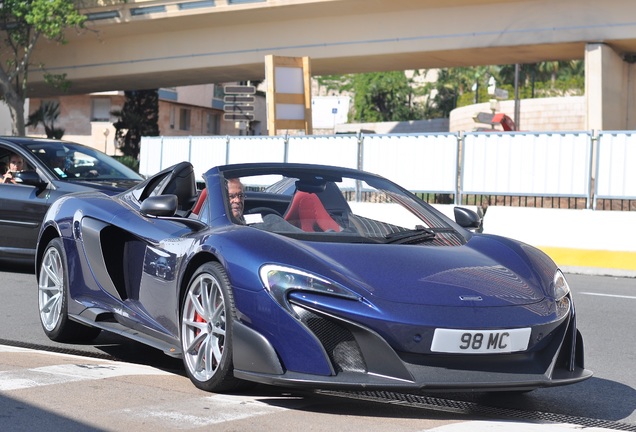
(183, 111)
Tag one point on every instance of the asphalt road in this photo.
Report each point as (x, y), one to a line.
(605, 308)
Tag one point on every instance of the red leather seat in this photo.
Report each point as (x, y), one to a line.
(307, 213)
(202, 196)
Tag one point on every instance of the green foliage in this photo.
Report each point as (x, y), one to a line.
(138, 117)
(49, 18)
(391, 96)
(129, 161)
(47, 114)
(22, 24)
(547, 79)
(378, 96)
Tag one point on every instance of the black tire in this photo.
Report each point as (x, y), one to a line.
(207, 312)
(53, 284)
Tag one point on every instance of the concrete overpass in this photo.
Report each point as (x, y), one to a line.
(163, 43)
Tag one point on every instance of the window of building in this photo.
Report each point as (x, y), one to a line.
(184, 119)
(219, 91)
(100, 109)
(212, 123)
(172, 116)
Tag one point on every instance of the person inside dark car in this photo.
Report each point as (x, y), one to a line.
(237, 199)
(16, 164)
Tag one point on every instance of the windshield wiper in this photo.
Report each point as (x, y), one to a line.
(417, 235)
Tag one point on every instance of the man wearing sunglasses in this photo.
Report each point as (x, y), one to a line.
(237, 199)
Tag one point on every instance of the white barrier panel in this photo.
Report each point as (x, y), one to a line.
(420, 163)
(175, 150)
(150, 153)
(256, 149)
(569, 237)
(324, 149)
(207, 152)
(616, 166)
(542, 164)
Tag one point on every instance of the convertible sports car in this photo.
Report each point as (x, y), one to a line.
(52, 168)
(348, 282)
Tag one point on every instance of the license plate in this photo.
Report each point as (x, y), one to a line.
(480, 341)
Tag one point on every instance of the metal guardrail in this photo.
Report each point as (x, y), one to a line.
(575, 168)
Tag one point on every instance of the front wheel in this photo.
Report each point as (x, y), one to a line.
(206, 330)
(53, 298)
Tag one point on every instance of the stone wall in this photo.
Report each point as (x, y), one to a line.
(415, 126)
(536, 115)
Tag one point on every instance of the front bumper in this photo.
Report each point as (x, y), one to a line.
(361, 359)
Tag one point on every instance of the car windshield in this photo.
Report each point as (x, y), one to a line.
(70, 161)
(344, 209)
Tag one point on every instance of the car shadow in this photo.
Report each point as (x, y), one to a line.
(123, 349)
(17, 267)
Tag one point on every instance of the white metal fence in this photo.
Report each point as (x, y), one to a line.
(616, 166)
(480, 163)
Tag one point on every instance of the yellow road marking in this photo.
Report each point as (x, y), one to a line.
(592, 258)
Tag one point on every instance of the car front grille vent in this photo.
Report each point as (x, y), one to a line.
(338, 341)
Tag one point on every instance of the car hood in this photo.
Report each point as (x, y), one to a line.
(486, 271)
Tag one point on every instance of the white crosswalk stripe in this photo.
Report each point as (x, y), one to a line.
(60, 374)
(226, 408)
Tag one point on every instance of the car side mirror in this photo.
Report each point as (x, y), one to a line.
(467, 218)
(159, 205)
(165, 207)
(30, 178)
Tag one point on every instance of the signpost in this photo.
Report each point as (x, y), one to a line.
(238, 108)
(483, 117)
(234, 99)
(239, 89)
(238, 116)
(238, 101)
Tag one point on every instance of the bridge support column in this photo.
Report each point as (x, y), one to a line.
(610, 89)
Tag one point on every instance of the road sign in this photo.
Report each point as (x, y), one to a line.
(501, 93)
(239, 89)
(238, 108)
(484, 117)
(233, 99)
(238, 116)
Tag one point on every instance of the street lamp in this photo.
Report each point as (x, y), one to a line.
(106, 132)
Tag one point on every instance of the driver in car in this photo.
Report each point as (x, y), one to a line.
(16, 164)
(237, 199)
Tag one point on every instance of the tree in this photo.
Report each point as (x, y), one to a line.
(47, 114)
(138, 117)
(377, 96)
(22, 24)
(452, 86)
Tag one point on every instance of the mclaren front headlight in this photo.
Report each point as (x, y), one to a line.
(280, 281)
(560, 287)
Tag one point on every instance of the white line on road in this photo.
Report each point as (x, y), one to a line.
(83, 370)
(609, 295)
(506, 426)
(206, 411)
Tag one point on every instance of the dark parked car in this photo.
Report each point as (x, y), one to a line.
(51, 169)
(348, 282)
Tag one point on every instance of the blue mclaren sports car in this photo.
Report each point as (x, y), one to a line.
(306, 276)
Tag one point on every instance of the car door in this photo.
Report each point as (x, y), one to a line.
(22, 208)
